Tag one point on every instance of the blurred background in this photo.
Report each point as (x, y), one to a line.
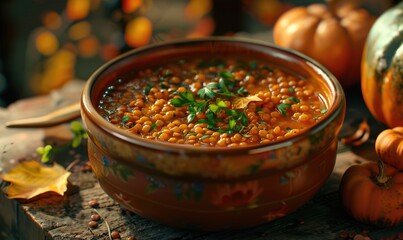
(47, 43)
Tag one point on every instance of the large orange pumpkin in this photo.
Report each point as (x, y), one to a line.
(335, 37)
(373, 194)
(382, 68)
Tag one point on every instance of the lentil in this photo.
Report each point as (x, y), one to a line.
(95, 217)
(93, 203)
(195, 103)
(115, 235)
(93, 224)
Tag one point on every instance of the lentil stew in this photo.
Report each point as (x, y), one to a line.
(220, 102)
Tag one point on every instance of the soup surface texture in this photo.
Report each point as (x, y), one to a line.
(225, 102)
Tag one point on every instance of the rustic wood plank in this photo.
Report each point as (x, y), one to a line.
(56, 217)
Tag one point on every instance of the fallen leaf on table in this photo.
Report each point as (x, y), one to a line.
(242, 102)
(30, 178)
(360, 136)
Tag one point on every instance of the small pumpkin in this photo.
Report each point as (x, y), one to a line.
(332, 35)
(373, 193)
(382, 68)
(389, 147)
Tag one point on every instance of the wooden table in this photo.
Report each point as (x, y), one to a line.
(66, 217)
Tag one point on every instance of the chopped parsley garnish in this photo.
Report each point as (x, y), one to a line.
(282, 108)
(147, 90)
(125, 119)
(212, 106)
(153, 125)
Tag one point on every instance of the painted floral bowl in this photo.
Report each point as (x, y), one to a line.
(209, 188)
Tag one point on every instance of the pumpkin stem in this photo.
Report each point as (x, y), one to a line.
(381, 179)
(332, 4)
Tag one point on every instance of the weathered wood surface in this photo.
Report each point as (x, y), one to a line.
(55, 217)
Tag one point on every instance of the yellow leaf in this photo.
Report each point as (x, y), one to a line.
(30, 178)
(242, 102)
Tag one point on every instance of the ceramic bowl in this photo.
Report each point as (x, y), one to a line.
(212, 188)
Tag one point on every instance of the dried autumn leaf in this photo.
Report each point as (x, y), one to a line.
(30, 178)
(242, 102)
(360, 136)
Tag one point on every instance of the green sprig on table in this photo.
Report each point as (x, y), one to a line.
(48, 151)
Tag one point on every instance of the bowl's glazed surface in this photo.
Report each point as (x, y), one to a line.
(212, 188)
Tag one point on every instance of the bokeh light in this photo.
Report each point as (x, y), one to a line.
(46, 43)
(138, 32)
(83, 34)
(57, 70)
(130, 6)
(203, 28)
(77, 9)
(79, 30)
(109, 51)
(195, 9)
(88, 47)
(52, 20)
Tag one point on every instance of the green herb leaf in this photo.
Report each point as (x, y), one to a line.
(244, 119)
(153, 125)
(200, 106)
(283, 108)
(210, 116)
(167, 73)
(294, 99)
(266, 68)
(45, 153)
(231, 123)
(164, 86)
(76, 141)
(79, 133)
(323, 111)
(214, 108)
(232, 112)
(206, 91)
(226, 75)
(187, 96)
(241, 91)
(191, 117)
(125, 119)
(221, 104)
(204, 137)
(253, 64)
(223, 87)
(177, 102)
(230, 84)
(147, 90)
(158, 70)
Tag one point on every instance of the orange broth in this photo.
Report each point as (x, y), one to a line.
(219, 103)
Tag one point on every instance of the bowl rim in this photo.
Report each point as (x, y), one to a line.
(335, 108)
